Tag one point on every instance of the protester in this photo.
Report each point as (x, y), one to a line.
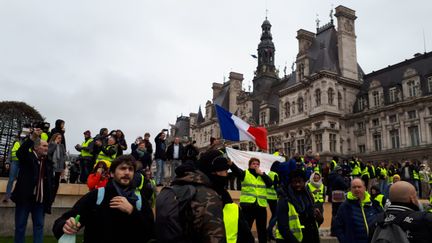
(191, 151)
(253, 199)
(376, 195)
(99, 176)
(86, 156)
(33, 189)
(317, 190)
(356, 215)
(337, 186)
(297, 218)
(13, 167)
(109, 151)
(405, 212)
(115, 214)
(272, 196)
(57, 154)
(175, 154)
(59, 128)
(160, 156)
(121, 142)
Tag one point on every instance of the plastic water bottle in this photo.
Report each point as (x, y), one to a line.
(69, 238)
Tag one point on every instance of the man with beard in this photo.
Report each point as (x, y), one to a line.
(116, 213)
(297, 218)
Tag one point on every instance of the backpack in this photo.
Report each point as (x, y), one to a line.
(174, 213)
(389, 233)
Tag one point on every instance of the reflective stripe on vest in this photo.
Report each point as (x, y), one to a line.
(317, 193)
(271, 192)
(15, 148)
(365, 172)
(252, 189)
(85, 144)
(415, 175)
(294, 224)
(103, 156)
(230, 218)
(334, 163)
(384, 172)
(379, 199)
(44, 136)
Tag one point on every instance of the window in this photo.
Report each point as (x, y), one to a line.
(287, 109)
(360, 125)
(375, 97)
(393, 94)
(301, 146)
(394, 138)
(293, 107)
(287, 149)
(393, 118)
(375, 122)
(412, 114)
(330, 94)
(300, 104)
(360, 103)
(272, 144)
(414, 135)
(362, 148)
(332, 125)
(332, 142)
(318, 97)
(430, 84)
(377, 141)
(339, 101)
(318, 142)
(252, 146)
(263, 118)
(412, 89)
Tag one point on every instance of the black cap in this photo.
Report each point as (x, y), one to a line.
(212, 161)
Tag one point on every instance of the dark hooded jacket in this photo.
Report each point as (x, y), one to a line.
(58, 129)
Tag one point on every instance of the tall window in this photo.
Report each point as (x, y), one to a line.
(414, 135)
(301, 146)
(362, 148)
(375, 96)
(411, 89)
(272, 144)
(287, 109)
(377, 141)
(293, 107)
(318, 97)
(412, 114)
(375, 122)
(330, 94)
(393, 118)
(339, 101)
(287, 149)
(394, 138)
(263, 118)
(318, 142)
(332, 142)
(360, 103)
(430, 84)
(300, 104)
(393, 94)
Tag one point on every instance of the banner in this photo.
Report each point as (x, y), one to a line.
(241, 158)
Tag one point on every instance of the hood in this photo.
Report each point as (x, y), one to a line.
(58, 123)
(192, 177)
(316, 184)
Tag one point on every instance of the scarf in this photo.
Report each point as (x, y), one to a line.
(315, 184)
(140, 152)
(40, 183)
(127, 192)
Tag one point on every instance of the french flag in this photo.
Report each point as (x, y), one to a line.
(235, 129)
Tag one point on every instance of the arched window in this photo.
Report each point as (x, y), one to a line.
(293, 107)
(287, 109)
(330, 94)
(300, 104)
(339, 100)
(318, 97)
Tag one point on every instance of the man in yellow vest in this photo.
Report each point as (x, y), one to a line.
(14, 166)
(376, 195)
(297, 219)
(253, 198)
(85, 157)
(316, 187)
(109, 151)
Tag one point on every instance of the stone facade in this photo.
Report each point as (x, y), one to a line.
(327, 104)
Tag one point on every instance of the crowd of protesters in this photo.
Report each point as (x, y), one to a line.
(123, 192)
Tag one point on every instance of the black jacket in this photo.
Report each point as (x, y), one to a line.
(104, 224)
(417, 225)
(28, 177)
(191, 152)
(336, 182)
(170, 152)
(57, 129)
(160, 148)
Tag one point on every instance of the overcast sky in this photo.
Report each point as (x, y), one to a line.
(137, 65)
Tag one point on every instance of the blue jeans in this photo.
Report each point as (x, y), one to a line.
(13, 173)
(160, 163)
(22, 212)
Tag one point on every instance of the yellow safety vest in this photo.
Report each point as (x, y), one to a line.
(252, 189)
(333, 162)
(356, 170)
(379, 199)
(103, 156)
(415, 175)
(15, 148)
(317, 193)
(44, 136)
(85, 144)
(230, 218)
(271, 192)
(384, 172)
(365, 172)
(294, 224)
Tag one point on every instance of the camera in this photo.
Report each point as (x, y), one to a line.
(165, 130)
(41, 125)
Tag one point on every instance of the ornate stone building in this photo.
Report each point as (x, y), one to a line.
(327, 104)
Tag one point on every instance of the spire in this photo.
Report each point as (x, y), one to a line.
(266, 50)
(200, 118)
